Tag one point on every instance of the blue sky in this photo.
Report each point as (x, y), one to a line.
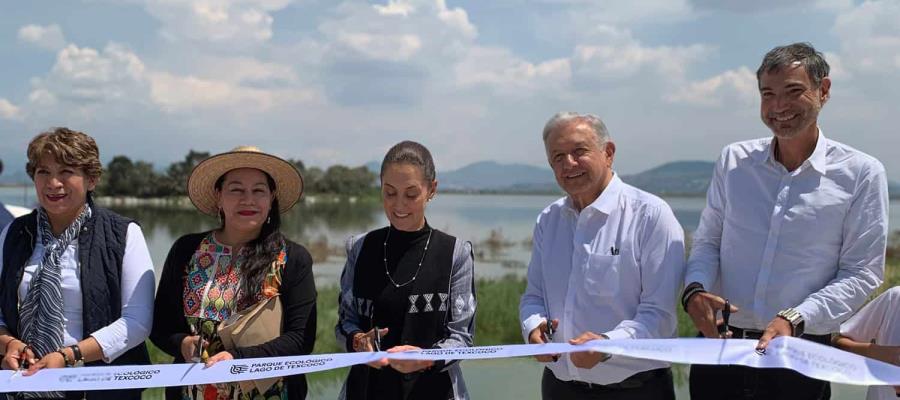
(340, 82)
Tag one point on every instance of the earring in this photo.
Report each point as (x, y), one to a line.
(269, 220)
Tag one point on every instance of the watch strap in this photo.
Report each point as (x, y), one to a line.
(76, 353)
(793, 317)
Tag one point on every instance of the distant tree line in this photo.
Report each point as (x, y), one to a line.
(125, 177)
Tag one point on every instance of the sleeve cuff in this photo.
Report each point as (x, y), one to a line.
(618, 334)
(176, 340)
(807, 311)
(109, 348)
(530, 323)
(700, 278)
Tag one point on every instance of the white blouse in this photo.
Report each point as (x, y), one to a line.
(137, 285)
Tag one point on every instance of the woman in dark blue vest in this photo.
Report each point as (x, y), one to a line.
(406, 286)
(76, 280)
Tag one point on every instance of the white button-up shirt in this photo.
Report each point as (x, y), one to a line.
(613, 268)
(813, 238)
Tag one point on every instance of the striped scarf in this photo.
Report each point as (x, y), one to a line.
(41, 314)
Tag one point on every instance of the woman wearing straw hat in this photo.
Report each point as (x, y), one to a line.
(210, 276)
(404, 287)
(76, 279)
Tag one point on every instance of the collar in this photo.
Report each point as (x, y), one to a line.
(606, 202)
(818, 160)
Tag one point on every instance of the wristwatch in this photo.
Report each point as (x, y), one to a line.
(793, 316)
(76, 353)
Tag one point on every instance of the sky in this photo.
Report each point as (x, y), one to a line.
(339, 82)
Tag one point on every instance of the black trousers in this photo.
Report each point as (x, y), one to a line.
(650, 385)
(734, 382)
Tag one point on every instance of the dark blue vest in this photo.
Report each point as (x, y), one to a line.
(101, 249)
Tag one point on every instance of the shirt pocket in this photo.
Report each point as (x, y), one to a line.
(601, 276)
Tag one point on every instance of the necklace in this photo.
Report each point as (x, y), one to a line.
(388, 273)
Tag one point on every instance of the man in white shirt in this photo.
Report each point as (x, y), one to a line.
(793, 233)
(607, 262)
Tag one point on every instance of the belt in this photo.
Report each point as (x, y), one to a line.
(632, 382)
(740, 333)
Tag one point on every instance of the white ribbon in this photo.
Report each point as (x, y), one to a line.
(808, 358)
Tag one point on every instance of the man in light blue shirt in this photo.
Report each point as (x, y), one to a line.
(607, 262)
(793, 233)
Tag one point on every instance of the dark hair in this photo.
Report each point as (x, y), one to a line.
(68, 147)
(263, 250)
(409, 152)
(804, 53)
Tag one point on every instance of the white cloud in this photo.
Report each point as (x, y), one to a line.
(9, 110)
(381, 47)
(84, 76)
(499, 68)
(185, 94)
(721, 90)
(48, 37)
(232, 23)
(870, 36)
(612, 55)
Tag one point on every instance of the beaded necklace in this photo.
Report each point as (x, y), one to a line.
(385, 251)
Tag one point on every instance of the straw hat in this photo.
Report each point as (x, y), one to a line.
(201, 184)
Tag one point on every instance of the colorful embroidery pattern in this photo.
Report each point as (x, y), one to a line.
(223, 299)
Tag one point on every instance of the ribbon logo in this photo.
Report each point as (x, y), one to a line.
(238, 369)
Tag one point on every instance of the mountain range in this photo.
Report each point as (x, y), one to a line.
(684, 178)
(677, 178)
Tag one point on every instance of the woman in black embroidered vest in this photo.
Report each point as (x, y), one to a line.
(405, 287)
(210, 276)
(76, 280)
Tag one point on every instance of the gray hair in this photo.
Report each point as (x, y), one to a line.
(798, 53)
(564, 118)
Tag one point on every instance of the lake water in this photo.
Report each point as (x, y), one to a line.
(499, 225)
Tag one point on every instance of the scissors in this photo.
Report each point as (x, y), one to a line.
(726, 314)
(548, 334)
(23, 357)
(377, 341)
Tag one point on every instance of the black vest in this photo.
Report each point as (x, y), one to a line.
(416, 314)
(101, 249)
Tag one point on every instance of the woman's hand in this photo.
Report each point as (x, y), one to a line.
(366, 342)
(189, 348)
(15, 354)
(51, 360)
(408, 366)
(220, 356)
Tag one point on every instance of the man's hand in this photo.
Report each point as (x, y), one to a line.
(587, 359)
(408, 366)
(537, 336)
(777, 327)
(702, 308)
